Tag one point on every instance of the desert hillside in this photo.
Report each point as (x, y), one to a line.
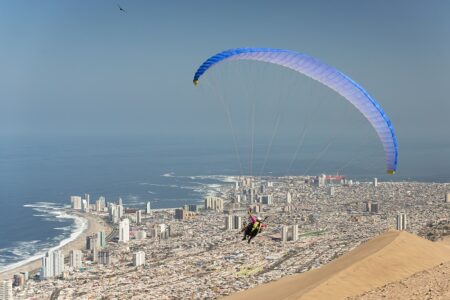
(390, 257)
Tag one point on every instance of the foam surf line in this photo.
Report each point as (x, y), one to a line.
(80, 224)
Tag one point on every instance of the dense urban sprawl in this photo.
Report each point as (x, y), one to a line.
(197, 252)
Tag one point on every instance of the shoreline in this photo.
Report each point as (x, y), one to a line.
(94, 224)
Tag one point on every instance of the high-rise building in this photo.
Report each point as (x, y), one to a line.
(114, 211)
(375, 182)
(447, 198)
(87, 197)
(289, 233)
(256, 209)
(159, 231)
(284, 233)
(182, 214)
(6, 292)
(229, 222)
(295, 232)
(84, 205)
(369, 206)
(120, 201)
(266, 199)
(120, 211)
(237, 222)
(148, 209)
(401, 221)
(91, 242)
(104, 257)
(100, 204)
(138, 258)
(288, 198)
(52, 264)
(214, 203)
(251, 196)
(374, 207)
(193, 207)
(124, 231)
(101, 239)
(76, 202)
(47, 266)
(19, 280)
(179, 214)
(262, 189)
(331, 191)
(75, 259)
(321, 180)
(139, 216)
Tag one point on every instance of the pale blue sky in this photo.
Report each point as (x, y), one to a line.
(84, 67)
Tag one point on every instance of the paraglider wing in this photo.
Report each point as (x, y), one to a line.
(327, 75)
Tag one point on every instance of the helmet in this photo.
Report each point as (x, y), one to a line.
(259, 219)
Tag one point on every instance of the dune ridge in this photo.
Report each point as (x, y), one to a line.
(388, 257)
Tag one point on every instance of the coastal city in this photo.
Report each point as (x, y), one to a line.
(197, 251)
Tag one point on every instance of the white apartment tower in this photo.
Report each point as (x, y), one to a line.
(289, 233)
(228, 222)
(288, 198)
(6, 292)
(119, 211)
(76, 202)
(295, 232)
(331, 191)
(100, 204)
(75, 259)
(401, 221)
(284, 233)
(52, 264)
(124, 231)
(148, 210)
(214, 203)
(104, 257)
(139, 258)
(87, 197)
(139, 216)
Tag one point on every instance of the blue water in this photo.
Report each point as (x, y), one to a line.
(38, 175)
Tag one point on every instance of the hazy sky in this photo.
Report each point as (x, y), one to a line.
(84, 67)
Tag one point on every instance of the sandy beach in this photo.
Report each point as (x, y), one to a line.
(95, 224)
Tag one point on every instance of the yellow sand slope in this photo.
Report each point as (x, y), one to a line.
(389, 257)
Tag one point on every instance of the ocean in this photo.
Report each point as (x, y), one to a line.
(38, 176)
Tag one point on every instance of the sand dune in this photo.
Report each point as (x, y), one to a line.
(389, 257)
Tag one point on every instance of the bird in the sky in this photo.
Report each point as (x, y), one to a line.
(121, 9)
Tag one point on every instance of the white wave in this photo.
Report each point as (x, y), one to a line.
(66, 228)
(28, 251)
(222, 178)
(214, 186)
(170, 174)
(132, 198)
